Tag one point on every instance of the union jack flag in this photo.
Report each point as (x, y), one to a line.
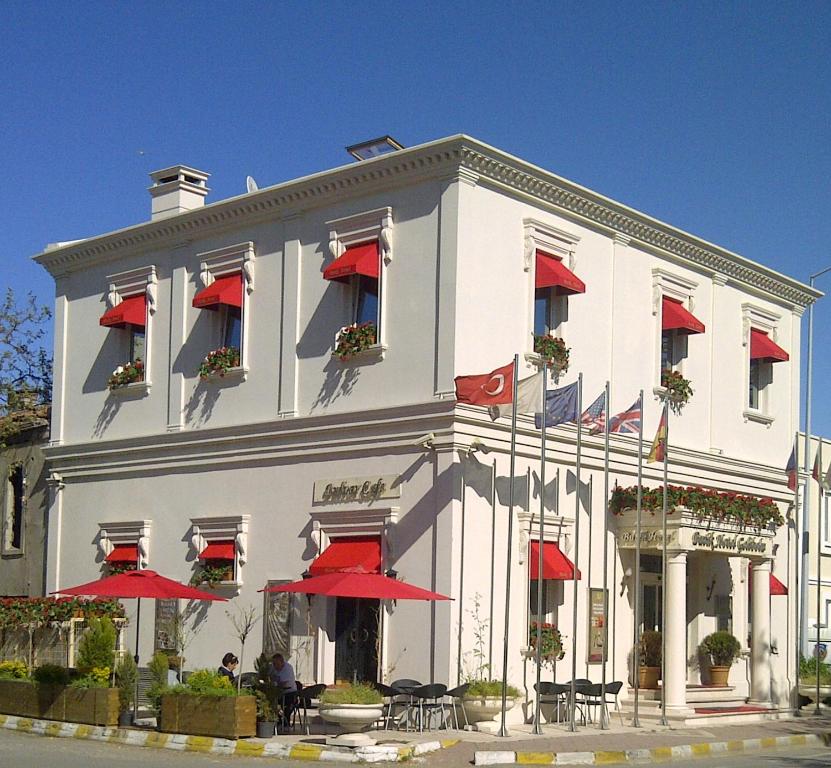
(627, 422)
(594, 416)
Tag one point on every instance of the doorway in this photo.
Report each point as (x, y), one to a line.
(652, 602)
(356, 640)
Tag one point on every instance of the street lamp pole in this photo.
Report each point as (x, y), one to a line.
(806, 497)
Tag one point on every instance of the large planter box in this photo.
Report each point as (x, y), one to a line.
(229, 717)
(96, 706)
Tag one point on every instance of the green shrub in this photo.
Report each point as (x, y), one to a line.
(651, 648)
(99, 677)
(158, 667)
(125, 678)
(51, 674)
(13, 670)
(204, 682)
(489, 688)
(361, 693)
(97, 646)
(808, 671)
(722, 648)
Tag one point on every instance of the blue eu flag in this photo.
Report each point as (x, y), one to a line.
(560, 407)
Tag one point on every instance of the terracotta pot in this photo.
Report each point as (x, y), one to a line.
(718, 676)
(648, 677)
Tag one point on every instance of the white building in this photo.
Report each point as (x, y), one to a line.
(292, 452)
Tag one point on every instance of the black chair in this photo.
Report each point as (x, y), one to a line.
(592, 698)
(613, 690)
(553, 693)
(406, 686)
(431, 698)
(456, 695)
(581, 687)
(392, 699)
(302, 702)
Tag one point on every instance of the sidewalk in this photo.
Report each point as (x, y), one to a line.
(624, 744)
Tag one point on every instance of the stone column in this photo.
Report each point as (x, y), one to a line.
(760, 633)
(675, 627)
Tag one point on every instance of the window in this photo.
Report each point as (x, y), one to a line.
(673, 307)
(365, 299)
(137, 338)
(15, 506)
(764, 352)
(220, 545)
(826, 521)
(124, 545)
(548, 312)
(232, 327)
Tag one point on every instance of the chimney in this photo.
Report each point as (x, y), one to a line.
(176, 190)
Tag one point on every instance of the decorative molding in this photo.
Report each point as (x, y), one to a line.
(545, 237)
(378, 521)
(227, 261)
(128, 532)
(222, 528)
(761, 318)
(132, 283)
(376, 224)
(55, 482)
(675, 286)
(758, 417)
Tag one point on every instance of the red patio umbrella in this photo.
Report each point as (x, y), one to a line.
(355, 583)
(138, 584)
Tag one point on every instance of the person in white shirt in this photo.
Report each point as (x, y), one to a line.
(282, 675)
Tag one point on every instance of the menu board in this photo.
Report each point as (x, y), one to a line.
(598, 631)
(167, 616)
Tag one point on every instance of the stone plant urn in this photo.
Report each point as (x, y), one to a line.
(648, 677)
(352, 719)
(481, 710)
(718, 676)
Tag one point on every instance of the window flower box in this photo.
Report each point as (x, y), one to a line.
(353, 339)
(214, 573)
(124, 375)
(678, 389)
(219, 362)
(552, 351)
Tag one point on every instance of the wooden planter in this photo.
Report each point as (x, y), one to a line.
(96, 706)
(229, 717)
(648, 677)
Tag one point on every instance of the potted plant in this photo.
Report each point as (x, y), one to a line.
(129, 373)
(808, 678)
(551, 645)
(125, 679)
(266, 713)
(679, 390)
(212, 573)
(355, 338)
(552, 351)
(353, 708)
(218, 362)
(483, 700)
(722, 649)
(650, 653)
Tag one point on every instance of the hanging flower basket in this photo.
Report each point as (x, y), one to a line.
(552, 351)
(551, 642)
(129, 373)
(219, 362)
(679, 390)
(353, 339)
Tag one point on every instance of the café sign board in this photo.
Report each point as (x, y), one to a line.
(688, 538)
(361, 490)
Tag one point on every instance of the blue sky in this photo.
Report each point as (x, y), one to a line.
(711, 116)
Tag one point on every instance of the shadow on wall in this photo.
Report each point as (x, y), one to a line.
(112, 406)
(339, 379)
(201, 403)
(113, 352)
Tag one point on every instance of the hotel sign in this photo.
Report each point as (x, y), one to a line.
(687, 538)
(730, 543)
(651, 538)
(361, 490)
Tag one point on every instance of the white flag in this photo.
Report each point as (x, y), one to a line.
(528, 395)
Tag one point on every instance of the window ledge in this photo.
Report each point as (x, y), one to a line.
(231, 376)
(757, 416)
(659, 392)
(228, 585)
(370, 354)
(12, 552)
(134, 389)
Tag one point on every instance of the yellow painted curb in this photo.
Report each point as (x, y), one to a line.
(799, 740)
(608, 757)
(700, 750)
(3, 719)
(447, 743)
(535, 758)
(199, 744)
(305, 752)
(155, 739)
(53, 729)
(661, 753)
(768, 743)
(82, 732)
(736, 745)
(248, 749)
(405, 753)
(24, 724)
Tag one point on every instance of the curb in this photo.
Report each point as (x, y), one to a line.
(646, 756)
(208, 745)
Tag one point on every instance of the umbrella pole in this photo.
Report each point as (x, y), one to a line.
(136, 658)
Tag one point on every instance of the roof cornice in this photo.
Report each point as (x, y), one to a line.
(438, 159)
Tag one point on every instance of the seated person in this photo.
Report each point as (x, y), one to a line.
(229, 664)
(281, 674)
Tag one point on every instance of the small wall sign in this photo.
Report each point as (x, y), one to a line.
(361, 490)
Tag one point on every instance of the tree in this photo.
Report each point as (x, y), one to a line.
(25, 365)
(243, 619)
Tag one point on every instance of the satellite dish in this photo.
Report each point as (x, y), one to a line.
(250, 184)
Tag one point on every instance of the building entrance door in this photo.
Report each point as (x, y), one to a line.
(356, 640)
(652, 602)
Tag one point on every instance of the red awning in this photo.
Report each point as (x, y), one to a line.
(131, 311)
(776, 586)
(356, 260)
(123, 553)
(555, 565)
(218, 550)
(225, 290)
(675, 318)
(354, 553)
(552, 273)
(762, 347)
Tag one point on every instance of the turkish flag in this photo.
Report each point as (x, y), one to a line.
(494, 388)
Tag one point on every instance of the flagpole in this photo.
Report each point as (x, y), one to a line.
(604, 712)
(503, 731)
(819, 565)
(572, 724)
(637, 660)
(493, 565)
(798, 605)
(540, 582)
(664, 720)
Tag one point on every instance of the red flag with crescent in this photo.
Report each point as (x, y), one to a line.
(494, 388)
